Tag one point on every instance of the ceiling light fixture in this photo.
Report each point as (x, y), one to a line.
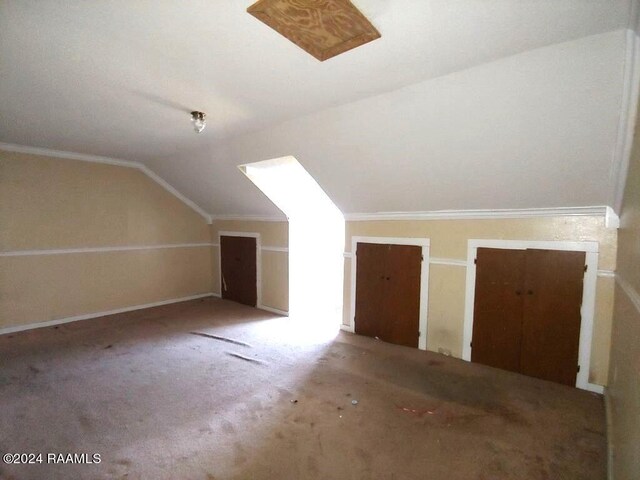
(198, 120)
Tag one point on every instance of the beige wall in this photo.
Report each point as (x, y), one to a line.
(447, 282)
(624, 373)
(275, 264)
(52, 203)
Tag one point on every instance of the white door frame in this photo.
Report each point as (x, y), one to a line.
(424, 278)
(587, 310)
(255, 235)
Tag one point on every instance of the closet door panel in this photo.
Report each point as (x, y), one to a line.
(401, 310)
(498, 304)
(551, 319)
(371, 261)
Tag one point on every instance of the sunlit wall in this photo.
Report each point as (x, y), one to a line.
(316, 239)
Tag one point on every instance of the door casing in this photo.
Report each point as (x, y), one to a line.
(587, 310)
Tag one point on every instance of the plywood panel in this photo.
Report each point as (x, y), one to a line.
(323, 28)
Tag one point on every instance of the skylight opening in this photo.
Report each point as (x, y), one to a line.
(316, 241)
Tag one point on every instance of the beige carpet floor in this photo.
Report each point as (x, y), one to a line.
(156, 401)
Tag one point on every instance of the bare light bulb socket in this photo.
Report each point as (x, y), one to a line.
(198, 120)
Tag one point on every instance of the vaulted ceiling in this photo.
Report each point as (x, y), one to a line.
(461, 104)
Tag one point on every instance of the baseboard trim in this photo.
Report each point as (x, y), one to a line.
(347, 328)
(87, 316)
(277, 311)
(273, 310)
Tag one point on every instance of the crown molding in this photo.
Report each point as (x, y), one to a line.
(250, 218)
(611, 219)
(9, 147)
(46, 152)
(600, 211)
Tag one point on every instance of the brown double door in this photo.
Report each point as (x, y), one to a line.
(238, 269)
(388, 292)
(527, 312)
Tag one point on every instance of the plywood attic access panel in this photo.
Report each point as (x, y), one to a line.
(323, 28)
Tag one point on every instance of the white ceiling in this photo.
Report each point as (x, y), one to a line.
(118, 78)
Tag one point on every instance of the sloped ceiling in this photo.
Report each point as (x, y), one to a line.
(460, 105)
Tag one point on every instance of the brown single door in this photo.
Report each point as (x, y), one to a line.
(498, 305)
(551, 319)
(388, 292)
(238, 269)
(401, 306)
